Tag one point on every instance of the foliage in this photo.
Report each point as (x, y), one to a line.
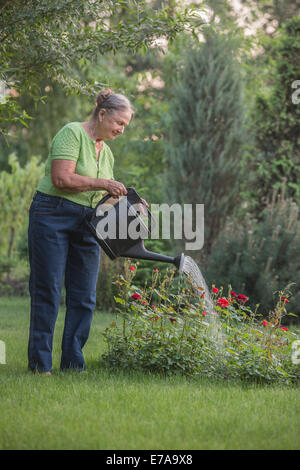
(205, 131)
(260, 256)
(41, 39)
(105, 288)
(275, 155)
(47, 117)
(170, 333)
(16, 192)
(111, 270)
(258, 16)
(272, 13)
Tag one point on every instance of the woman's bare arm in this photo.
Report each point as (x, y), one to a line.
(64, 177)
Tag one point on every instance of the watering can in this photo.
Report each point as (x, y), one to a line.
(120, 230)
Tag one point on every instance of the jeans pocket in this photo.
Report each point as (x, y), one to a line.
(47, 205)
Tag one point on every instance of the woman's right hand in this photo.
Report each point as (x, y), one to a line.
(115, 188)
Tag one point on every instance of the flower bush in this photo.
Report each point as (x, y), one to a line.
(173, 332)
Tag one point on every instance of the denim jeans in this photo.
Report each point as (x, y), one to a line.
(61, 248)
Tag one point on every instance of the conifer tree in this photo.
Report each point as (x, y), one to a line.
(275, 160)
(205, 131)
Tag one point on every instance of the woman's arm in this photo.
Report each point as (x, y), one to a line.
(64, 177)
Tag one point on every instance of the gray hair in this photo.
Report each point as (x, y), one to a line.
(111, 101)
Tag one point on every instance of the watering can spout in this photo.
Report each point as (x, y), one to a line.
(139, 251)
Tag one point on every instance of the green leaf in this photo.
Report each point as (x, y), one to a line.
(119, 300)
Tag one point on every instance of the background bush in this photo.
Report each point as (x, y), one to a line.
(260, 258)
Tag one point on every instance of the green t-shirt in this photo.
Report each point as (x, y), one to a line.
(73, 143)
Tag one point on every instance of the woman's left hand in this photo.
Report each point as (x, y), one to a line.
(141, 206)
(145, 202)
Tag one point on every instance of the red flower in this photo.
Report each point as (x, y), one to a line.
(284, 299)
(132, 268)
(156, 317)
(136, 296)
(156, 270)
(233, 293)
(172, 319)
(144, 302)
(223, 302)
(242, 298)
(202, 296)
(284, 328)
(204, 313)
(265, 323)
(215, 290)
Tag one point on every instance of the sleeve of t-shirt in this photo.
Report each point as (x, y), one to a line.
(65, 145)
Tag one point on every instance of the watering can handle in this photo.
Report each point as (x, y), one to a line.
(138, 200)
(129, 190)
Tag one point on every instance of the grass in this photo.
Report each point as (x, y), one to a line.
(105, 410)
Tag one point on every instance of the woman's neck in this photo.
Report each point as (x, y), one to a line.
(93, 130)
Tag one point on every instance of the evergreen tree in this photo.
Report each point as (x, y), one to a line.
(275, 157)
(206, 131)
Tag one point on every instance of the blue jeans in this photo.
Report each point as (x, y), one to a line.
(61, 247)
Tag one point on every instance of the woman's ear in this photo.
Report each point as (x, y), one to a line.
(101, 114)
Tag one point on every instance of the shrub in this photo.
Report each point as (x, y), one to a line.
(258, 257)
(162, 332)
(110, 270)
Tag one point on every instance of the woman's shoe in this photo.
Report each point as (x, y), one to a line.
(47, 373)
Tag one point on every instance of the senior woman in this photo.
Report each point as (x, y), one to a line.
(78, 172)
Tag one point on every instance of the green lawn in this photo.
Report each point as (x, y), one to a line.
(104, 410)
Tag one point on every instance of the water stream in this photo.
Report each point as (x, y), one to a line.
(193, 273)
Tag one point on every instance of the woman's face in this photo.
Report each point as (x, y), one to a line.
(113, 124)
